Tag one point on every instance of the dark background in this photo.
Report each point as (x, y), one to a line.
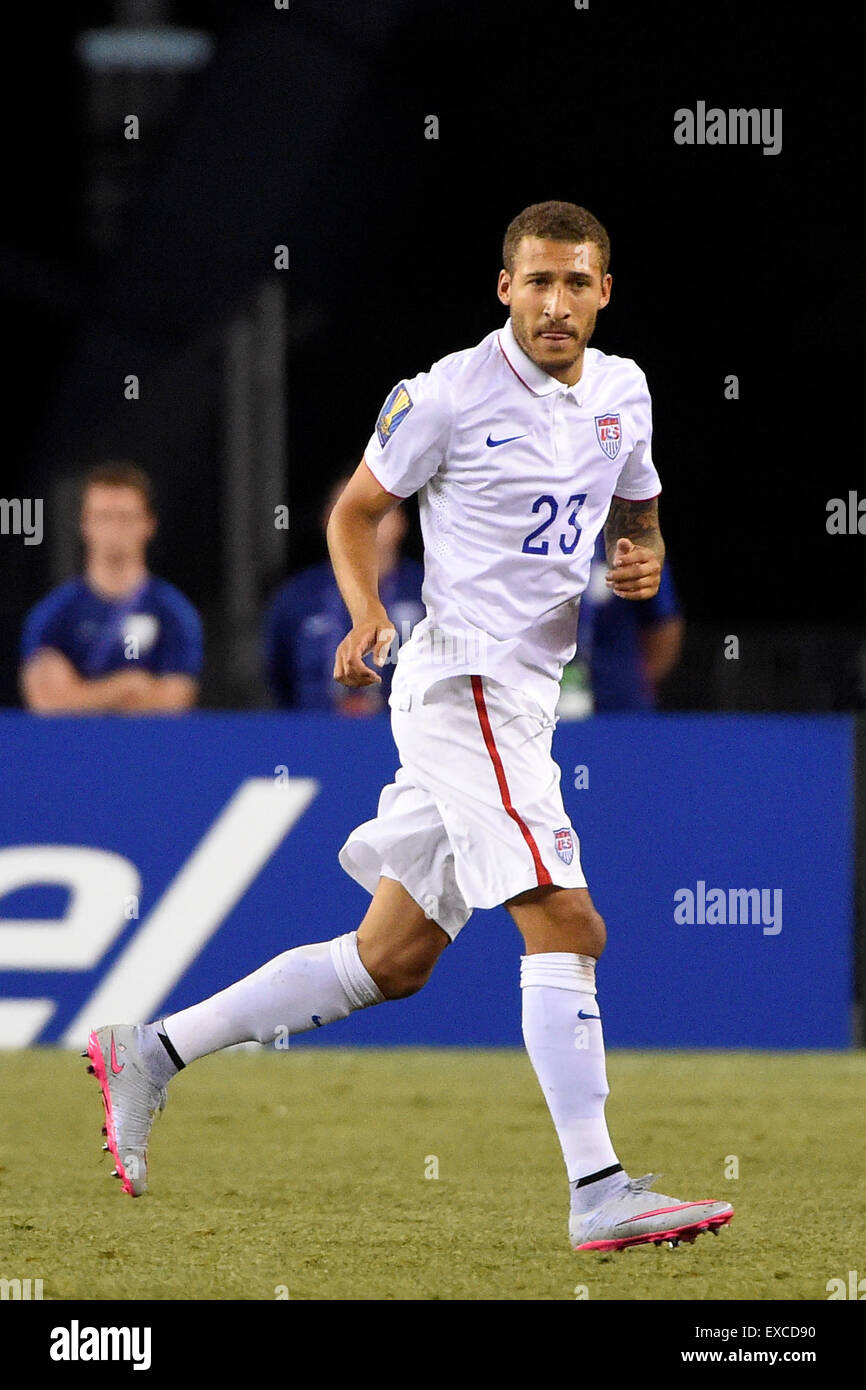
(307, 128)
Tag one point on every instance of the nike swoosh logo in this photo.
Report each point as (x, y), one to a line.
(494, 443)
(581, 1014)
(116, 1067)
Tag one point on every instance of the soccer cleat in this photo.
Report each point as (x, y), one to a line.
(637, 1216)
(131, 1102)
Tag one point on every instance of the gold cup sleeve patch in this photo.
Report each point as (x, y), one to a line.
(395, 410)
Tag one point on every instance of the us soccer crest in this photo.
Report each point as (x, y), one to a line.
(394, 411)
(564, 844)
(609, 431)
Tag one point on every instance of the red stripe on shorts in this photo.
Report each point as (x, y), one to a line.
(541, 872)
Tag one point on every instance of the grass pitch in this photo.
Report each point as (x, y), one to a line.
(304, 1173)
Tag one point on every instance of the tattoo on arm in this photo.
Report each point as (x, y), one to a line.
(637, 521)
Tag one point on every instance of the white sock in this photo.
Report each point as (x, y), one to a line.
(562, 1032)
(295, 992)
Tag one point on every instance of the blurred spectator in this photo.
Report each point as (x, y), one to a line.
(307, 620)
(117, 639)
(625, 650)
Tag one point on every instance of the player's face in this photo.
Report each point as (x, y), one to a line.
(554, 294)
(115, 523)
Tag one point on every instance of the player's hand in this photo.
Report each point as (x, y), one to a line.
(635, 571)
(373, 635)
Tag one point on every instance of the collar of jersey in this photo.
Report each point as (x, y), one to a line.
(534, 378)
(127, 600)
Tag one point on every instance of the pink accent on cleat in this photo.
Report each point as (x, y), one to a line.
(94, 1052)
(660, 1211)
(686, 1232)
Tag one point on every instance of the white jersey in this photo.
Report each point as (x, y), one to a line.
(515, 473)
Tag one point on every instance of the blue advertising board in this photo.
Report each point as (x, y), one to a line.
(147, 862)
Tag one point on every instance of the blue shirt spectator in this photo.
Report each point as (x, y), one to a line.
(117, 639)
(306, 622)
(155, 625)
(630, 646)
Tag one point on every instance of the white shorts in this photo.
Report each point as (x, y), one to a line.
(474, 815)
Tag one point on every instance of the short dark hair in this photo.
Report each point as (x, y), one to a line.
(121, 474)
(555, 222)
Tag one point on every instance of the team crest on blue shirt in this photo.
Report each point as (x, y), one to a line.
(564, 844)
(609, 431)
(395, 410)
(141, 631)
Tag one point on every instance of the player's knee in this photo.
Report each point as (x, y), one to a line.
(585, 925)
(403, 987)
(571, 923)
(403, 971)
(593, 931)
(400, 979)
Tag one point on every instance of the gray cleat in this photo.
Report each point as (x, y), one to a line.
(637, 1216)
(131, 1101)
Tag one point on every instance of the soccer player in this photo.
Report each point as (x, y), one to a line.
(521, 449)
(118, 639)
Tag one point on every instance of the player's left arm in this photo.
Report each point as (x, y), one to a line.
(634, 547)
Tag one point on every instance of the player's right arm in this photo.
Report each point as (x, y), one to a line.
(50, 684)
(407, 446)
(352, 545)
